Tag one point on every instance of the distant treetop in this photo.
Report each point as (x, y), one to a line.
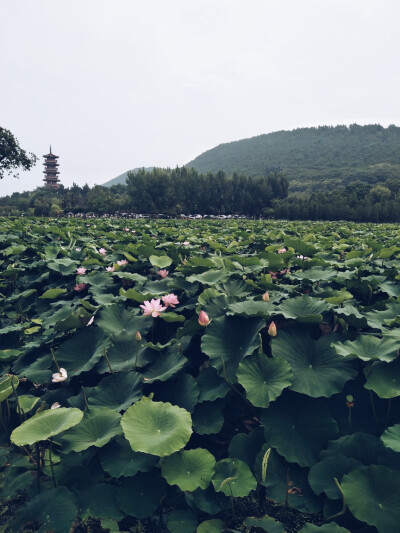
(12, 156)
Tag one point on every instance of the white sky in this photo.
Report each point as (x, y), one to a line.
(114, 85)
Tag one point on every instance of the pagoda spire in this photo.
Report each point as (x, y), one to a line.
(51, 170)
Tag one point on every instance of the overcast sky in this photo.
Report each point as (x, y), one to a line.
(114, 85)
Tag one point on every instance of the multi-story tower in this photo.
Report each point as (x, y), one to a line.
(51, 170)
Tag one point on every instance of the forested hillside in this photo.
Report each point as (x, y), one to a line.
(312, 158)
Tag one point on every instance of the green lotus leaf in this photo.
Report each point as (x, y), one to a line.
(266, 523)
(210, 277)
(207, 418)
(165, 365)
(115, 320)
(316, 274)
(352, 316)
(378, 319)
(54, 510)
(9, 354)
(156, 428)
(27, 402)
(116, 391)
(303, 309)
(317, 369)
(298, 427)
(140, 496)
(182, 521)
(172, 317)
(6, 386)
(322, 474)
(362, 447)
(206, 501)
(160, 261)
(98, 500)
(228, 339)
(236, 287)
(338, 297)
(263, 378)
(245, 446)
(234, 478)
(368, 347)
(81, 352)
(99, 426)
(211, 526)
(50, 294)
(46, 424)
(384, 379)
(391, 438)
(211, 385)
(118, 459)
(124, 354)
(302, 247)
(65, 266)
(189, 469)
(251, 308)
(325, 528)
(182, 391)
(373, 495)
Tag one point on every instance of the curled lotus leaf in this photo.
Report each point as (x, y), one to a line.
(384, 379)
(156, 428)
(234, 478)
(391, 438)
(368, 347)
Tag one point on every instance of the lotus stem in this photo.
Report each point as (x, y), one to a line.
(3, 422)
(233, 387)
(53, 355)
(85, 398)
(20, 412)
(371, 397)
(51, 464)
(349, 419)
(38, 467)
(108, 361)
(389, 405)
(344, 508)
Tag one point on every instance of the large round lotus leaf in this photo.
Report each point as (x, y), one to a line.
(266, 523)
(115, 320)
(234, 478)
(207, 418)
(384, 379)
(373, 496)
(182, 391)
(302, 497)
(367, 347)
(140, 496)
(118, 459)
(245, 446)
(160, 261)
(391, 438)
(317, 369)
(298, 427)
(252, 308)
(116, 391)
(45, 425)
(211, 385)
(99, 425)
(156, 428)
(362, 447)
(303, 309)
(123, 354)
(263, 378)
(211, 526)
(228, 339)
(322, 474)
(189, 469)
(325, 528)
(81, 352)
(165, 365)
(55, 510)
(182, 521)
(98, 500)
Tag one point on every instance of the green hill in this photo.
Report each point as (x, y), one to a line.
(121, 179)
(312, 158)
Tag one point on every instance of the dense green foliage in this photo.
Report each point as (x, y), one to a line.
(12, 156)
(312, 158)
(196, 363)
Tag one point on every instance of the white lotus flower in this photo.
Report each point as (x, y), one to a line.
(55, 405)
(60, 376)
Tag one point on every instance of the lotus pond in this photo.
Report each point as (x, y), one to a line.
(199, 376)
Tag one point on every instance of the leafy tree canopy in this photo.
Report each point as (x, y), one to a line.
(12, 156)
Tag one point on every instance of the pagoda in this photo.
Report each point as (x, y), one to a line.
(51, 171)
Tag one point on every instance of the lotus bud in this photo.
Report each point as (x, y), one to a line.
(349, 401)
(272, 331)
(265, 296)
(138, 336)
(203, 319)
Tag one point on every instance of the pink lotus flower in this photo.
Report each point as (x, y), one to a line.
(265, 296)
(60, 376)
(170, 300)
(55, 405)
(126, 229)
(153, 308)
(204, 319)
(80, 287)
(122, 262)
(163, 273)
(102, 251)
(185, 243)
(272, 331)
(281, 250)
(110, 269)
(81, 270)
(78, 249)
(90, 321)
